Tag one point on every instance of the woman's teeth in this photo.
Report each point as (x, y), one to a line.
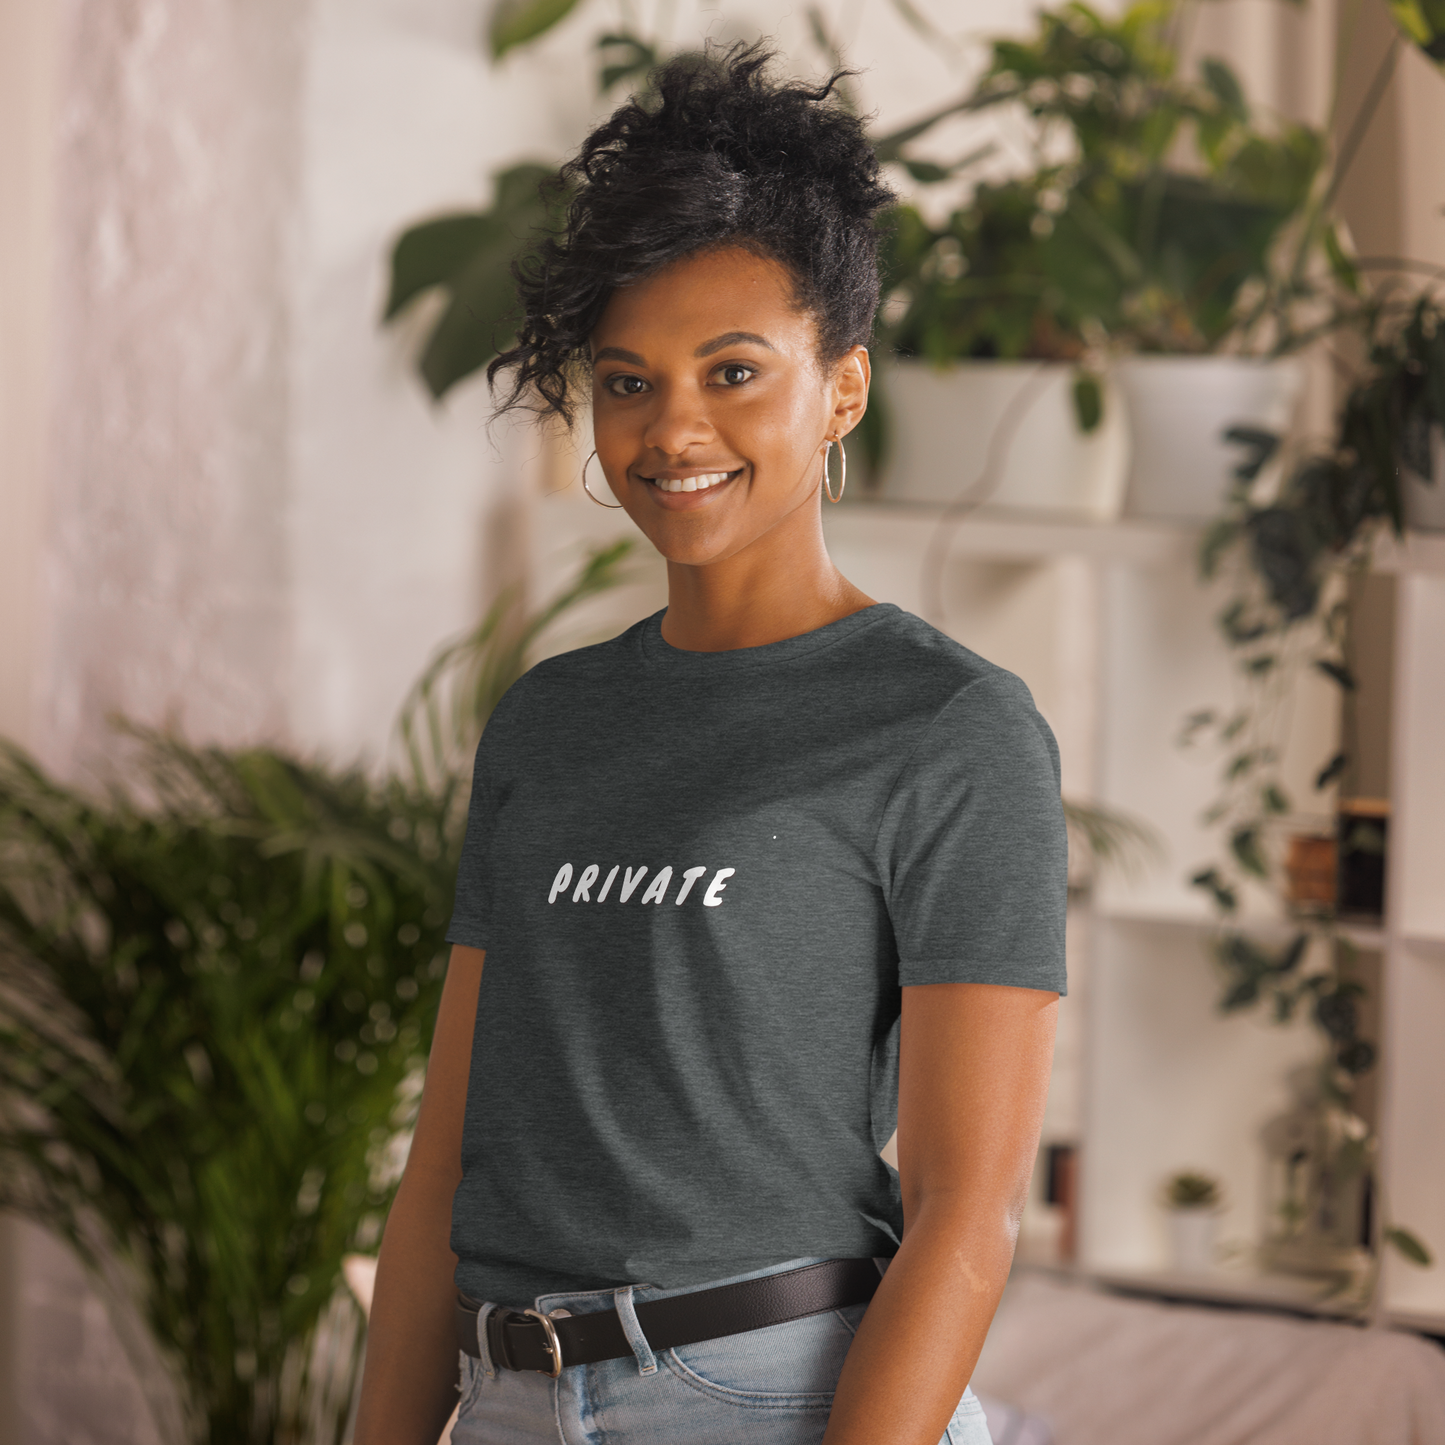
(689, 484)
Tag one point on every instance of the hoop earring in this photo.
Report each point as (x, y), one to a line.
(611, 506)
(842, 469)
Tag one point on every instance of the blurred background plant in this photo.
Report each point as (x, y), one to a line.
(1150, 219)
(1289, 559)
(1154, 206)
(217, 990)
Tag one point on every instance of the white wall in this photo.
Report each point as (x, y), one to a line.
(29, 84)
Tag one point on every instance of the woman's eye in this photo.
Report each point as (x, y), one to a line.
(734, 373)
(625, 385)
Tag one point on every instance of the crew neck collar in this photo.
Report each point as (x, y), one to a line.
(661, 653)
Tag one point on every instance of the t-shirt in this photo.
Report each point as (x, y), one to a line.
(701, 880)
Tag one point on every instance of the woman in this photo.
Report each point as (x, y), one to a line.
(773, 870)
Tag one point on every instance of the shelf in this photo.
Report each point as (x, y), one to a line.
(1371, 937)
(1294, 1294)
(1011, 532)
(1014, 534)
(1421, 1322)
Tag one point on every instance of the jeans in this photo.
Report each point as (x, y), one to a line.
(772, 1386)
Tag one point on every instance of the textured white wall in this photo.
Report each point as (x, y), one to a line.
(177, 177)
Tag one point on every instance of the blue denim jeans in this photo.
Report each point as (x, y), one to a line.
(772, 1386)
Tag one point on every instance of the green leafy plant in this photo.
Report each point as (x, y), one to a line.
(1289, 558)
(1150, 236)
(212, 1003)
(217, 989)
(1422, 21)
(468, 256)
(1190, 1190)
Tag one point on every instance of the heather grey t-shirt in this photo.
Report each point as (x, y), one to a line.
(701, 880)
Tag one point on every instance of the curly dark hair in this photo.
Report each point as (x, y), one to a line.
(718, 155)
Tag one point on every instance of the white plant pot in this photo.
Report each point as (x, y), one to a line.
(1013, 420)
(1179, 408)
(1424, 501)
(1193, 1236)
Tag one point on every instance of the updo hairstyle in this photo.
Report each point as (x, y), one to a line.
(717, 155)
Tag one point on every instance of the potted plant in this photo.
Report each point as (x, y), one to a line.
(1193, 1201)
(1153, 241)
(991, 388)
(217, 991)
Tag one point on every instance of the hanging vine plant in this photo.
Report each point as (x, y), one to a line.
(1290, 558)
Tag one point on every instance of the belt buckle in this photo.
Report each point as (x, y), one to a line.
(553, 1346)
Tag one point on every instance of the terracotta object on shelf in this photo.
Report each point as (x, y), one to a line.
(1309, 868)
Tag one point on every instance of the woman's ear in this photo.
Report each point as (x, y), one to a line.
(850, 389)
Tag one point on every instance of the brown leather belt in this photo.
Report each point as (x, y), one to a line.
(526, 1340)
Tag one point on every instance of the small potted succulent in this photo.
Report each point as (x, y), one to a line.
(1193, 1201)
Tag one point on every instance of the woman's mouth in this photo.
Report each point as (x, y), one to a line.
(695, 482)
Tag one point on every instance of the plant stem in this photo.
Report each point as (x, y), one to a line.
(1349, 148)
(1361, 124)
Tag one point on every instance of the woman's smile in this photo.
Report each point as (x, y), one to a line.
(678, 489)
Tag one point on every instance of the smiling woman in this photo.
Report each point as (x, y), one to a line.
(810, 889)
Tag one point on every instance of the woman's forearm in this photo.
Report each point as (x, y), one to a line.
(409, 1386)
(921, 1337)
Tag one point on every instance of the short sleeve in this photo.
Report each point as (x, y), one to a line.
(972, 845)
(471, 922)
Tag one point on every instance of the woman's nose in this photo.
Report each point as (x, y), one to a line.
(680, 421)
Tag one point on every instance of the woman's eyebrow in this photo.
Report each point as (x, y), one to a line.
(731, 338)
(616, 353)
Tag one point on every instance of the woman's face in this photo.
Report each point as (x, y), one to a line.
(707, 375)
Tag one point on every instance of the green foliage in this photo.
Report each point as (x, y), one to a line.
(1409, 1245)
(443, 715)
(469, 258)
(1152, 246)
(515, 22)
(1188, 1190)
(212, 1002)
(217, 991)
(981, 286)
(1289, 555)
(1423, 21)
(1102, 838)
(624, 56)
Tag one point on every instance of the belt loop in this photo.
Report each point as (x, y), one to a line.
(484, 1344)
(627, 1313)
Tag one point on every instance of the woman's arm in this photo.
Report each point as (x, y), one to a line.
(973, 1073)
(409, 1384)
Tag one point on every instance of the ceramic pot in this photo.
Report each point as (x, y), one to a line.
(1179, 408)
(1192, 1238)
(1002, 433)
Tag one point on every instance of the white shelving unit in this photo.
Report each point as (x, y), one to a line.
(1115, 636)
(1113, 632)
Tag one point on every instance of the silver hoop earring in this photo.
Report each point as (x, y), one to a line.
(842, 469)
(611, 506)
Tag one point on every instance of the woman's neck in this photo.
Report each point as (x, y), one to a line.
(782, 585)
